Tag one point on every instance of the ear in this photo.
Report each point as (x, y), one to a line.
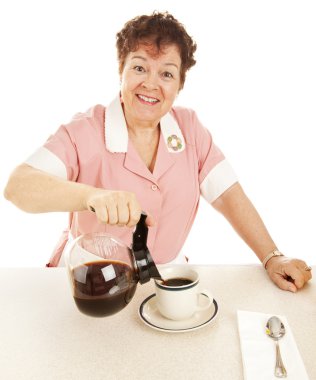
(120, 73)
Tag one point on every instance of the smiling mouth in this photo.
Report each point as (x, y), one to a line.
(147, 99)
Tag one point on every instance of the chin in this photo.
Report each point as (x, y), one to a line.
(149, 116)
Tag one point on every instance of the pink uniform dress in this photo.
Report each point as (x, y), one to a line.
(94, 149)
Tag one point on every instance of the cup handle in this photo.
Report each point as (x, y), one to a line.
(209, 300)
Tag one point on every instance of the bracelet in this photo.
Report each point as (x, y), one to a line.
(269, 256)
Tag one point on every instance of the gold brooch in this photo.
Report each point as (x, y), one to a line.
(174, 142)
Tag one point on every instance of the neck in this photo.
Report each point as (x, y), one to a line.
(139, 127)
(143, 131)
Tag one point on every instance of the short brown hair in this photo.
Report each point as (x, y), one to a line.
(158, 29)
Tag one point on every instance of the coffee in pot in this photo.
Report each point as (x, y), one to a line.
(104, 272)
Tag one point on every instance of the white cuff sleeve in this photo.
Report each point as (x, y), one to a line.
(43, 159)
(219, 179)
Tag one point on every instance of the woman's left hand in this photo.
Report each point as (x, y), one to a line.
(288, 274)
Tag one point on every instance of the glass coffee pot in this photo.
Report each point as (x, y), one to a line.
(104, 272)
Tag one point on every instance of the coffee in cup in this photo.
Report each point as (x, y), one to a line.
(178, 294)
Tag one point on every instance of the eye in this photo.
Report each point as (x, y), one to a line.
(139, 69)
(168, 75)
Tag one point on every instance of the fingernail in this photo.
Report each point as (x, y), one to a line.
(292, 288)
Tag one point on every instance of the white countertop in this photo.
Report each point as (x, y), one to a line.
(44, 336)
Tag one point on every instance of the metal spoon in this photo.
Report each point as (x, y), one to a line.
(275, 330)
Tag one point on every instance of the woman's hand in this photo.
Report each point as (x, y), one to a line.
(116, 207)
(288, 274)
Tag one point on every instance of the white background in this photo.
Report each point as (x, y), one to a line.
(254, 87)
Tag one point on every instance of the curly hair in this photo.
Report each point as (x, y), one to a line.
(159, 30)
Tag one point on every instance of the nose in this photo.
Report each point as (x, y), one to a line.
(151, 82)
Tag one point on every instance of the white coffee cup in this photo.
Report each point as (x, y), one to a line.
(180, 302)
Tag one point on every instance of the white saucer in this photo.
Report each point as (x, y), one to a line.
(150, 315)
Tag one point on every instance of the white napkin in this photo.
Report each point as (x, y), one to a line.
(258, 350)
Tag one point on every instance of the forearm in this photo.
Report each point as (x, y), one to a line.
(35, 191)
(236, 207)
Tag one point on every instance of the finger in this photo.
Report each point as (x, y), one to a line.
(134, 212)
(123, 213)
(306, 271)
(102, 214)
(112, 213)
(297, 275)
(150, 221)
(282, 283)
(308, 274)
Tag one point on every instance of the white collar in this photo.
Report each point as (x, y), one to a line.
(116, 134)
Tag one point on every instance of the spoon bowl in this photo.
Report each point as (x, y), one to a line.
(275, 329)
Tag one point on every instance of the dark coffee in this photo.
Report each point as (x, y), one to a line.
(103, 288)
(178, 281)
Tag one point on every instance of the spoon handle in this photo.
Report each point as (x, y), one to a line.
(279, 370)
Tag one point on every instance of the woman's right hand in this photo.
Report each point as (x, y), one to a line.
(116, 207)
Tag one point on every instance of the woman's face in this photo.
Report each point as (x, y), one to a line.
(150, 83)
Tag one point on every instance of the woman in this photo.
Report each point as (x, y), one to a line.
(141, 153)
